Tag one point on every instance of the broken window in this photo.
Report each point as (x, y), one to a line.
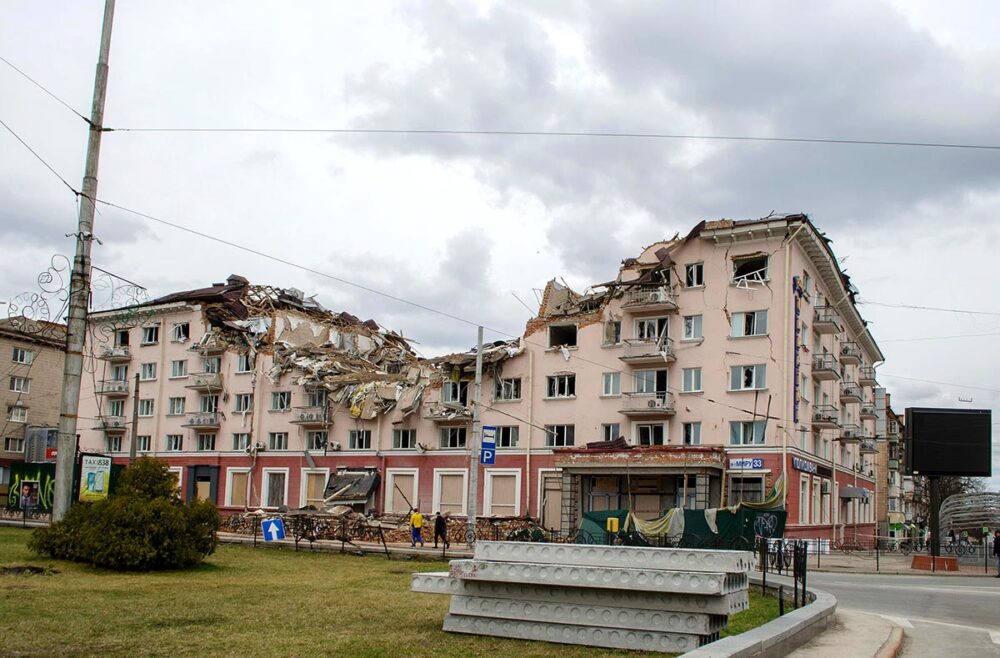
(507, 436)
(316, 440)
(651, 328)
(508, 389)
(241, 441)
(563, 334)
(209, 404)
(747, 378)
(277, 441)
(612, 332)
(317, 398)
(650, 381)
(119, 373)
(404, 439)
(244, 402)
(692, 327)
(281, 400)
(150, 335)
(692, 434)
(752, 268)
(455, 392)
(559, 436)
(175, 442)
(243, 363)
(742, 433)
(806, 285)
(181, 332)
(561, 386)
(650, 435)
(750, 323)
(121, 338)
(610, 431)
(453, 437)
(213, 365)
(179, 368)
(694, 275)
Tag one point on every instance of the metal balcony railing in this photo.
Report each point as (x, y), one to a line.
(826, 415)
(205, 381)
(202, 419)
(850, 392)
(866, 376)
(649, 296)
(113, 387)
(639, 348)
(850, 352)
(115, 353)
(650, 403)
(826, 320)
(111, 423)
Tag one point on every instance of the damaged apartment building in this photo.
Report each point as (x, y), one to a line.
(713, 369)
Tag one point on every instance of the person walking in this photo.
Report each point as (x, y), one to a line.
(996, 551)
(416, 526)
(440, 530)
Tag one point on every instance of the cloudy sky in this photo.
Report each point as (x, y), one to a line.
(465, 223)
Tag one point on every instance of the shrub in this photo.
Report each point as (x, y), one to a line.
(143, 526)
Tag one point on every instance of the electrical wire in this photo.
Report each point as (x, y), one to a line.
(39, 158)
(911, 340)
(863, 302)
(556, 133)
(44, 89)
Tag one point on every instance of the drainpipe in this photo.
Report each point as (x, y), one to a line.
(784, 352)
(531, 421)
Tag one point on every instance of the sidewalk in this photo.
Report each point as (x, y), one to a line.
(892, 564)
(856, 634)
(428, 552)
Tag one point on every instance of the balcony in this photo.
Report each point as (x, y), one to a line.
(113, 388)
(894, 491)
(893, 464)
(647, 405)
(202, 420)
(826, 417)
(311, 417)
(115, 353)
(868, 447)
(448, 412)
(866, 376)
(205, 381)
(648, 352)
(825, 367)
(649, 298)
(111, 424)
(850, 353)
(208, 345)
(868, 410)
(850, 393)
(826, 320)
(850, 433)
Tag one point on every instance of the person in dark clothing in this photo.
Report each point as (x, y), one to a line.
(440, 530)
(996, 550)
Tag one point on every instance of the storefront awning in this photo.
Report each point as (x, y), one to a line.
(853, 492)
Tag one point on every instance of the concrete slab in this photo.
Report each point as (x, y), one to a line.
(588, 615)
(571, 634)
(649, 580)
(629, 557)
(443, 583)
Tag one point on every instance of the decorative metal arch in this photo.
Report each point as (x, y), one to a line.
(971, 511)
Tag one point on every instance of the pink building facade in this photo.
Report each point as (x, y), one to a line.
(710, 367)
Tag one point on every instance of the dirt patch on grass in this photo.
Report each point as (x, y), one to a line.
(26, 570)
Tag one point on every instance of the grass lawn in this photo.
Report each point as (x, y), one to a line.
(245, 602)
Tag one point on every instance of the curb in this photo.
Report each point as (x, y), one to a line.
(890, 648)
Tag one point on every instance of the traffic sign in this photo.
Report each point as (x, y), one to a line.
(488, 455)
(273, 529)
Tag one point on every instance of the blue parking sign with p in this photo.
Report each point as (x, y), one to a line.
(488, 454)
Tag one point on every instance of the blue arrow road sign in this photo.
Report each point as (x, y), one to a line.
(488, 455)
(273, 529)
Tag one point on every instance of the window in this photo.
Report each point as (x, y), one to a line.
(610, 431)
(650, 381)
(508, 389)
(17, 414)
(241, 440)
(650, 435)
(452, 437)
(651, 328)
(116, 408)
(206, 442)
(20, 384)
(175, 442)
(179, 368)
(747, 489)
(692, 327)
(751, 323)
(21, 355)
(557, 436)
(13, 444)
(501, 492)
(151, 335)
(181, 332)
(243, 363)
(564, 334)
(277, 441)
(748, 378)
(613, 332)
(317, 398)
(175, 406)
(315, 488)
(692, 434)
(213, 365)
(612, 383)
(244, 402)
(507, 436)
(281, 401)
(115, 443)
(147, 372)
(121, 338)
(455, 392)
(804, 500)
(404, 439)
(209, 404)
(694, 275)
(119, 373)
(692, 380)
(359, 440)
(275, 488)
(316, 440)
(816, 501)
(746, 432)
(146, 407)
(560, 386)
(450, 491)
(752, 268)
(806, 284)
(236, 488)
(804, 336)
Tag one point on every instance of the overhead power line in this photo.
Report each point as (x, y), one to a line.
(44, 89)
(39, 158)
(864, 302)
(557, 133)
(910, 340)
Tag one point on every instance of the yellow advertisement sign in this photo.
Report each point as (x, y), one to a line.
(95, 477)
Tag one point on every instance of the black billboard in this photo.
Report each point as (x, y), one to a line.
(948, 442)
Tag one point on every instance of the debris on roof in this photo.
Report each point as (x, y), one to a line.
(350, 488)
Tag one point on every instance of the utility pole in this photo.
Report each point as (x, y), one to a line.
(79, 285)
(477, 429)
(134, 434)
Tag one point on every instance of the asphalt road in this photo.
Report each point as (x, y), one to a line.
(941, 615)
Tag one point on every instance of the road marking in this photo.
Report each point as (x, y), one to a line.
(995, 636)
(898, 621)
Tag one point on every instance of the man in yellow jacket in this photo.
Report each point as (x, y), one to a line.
(416, 523)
